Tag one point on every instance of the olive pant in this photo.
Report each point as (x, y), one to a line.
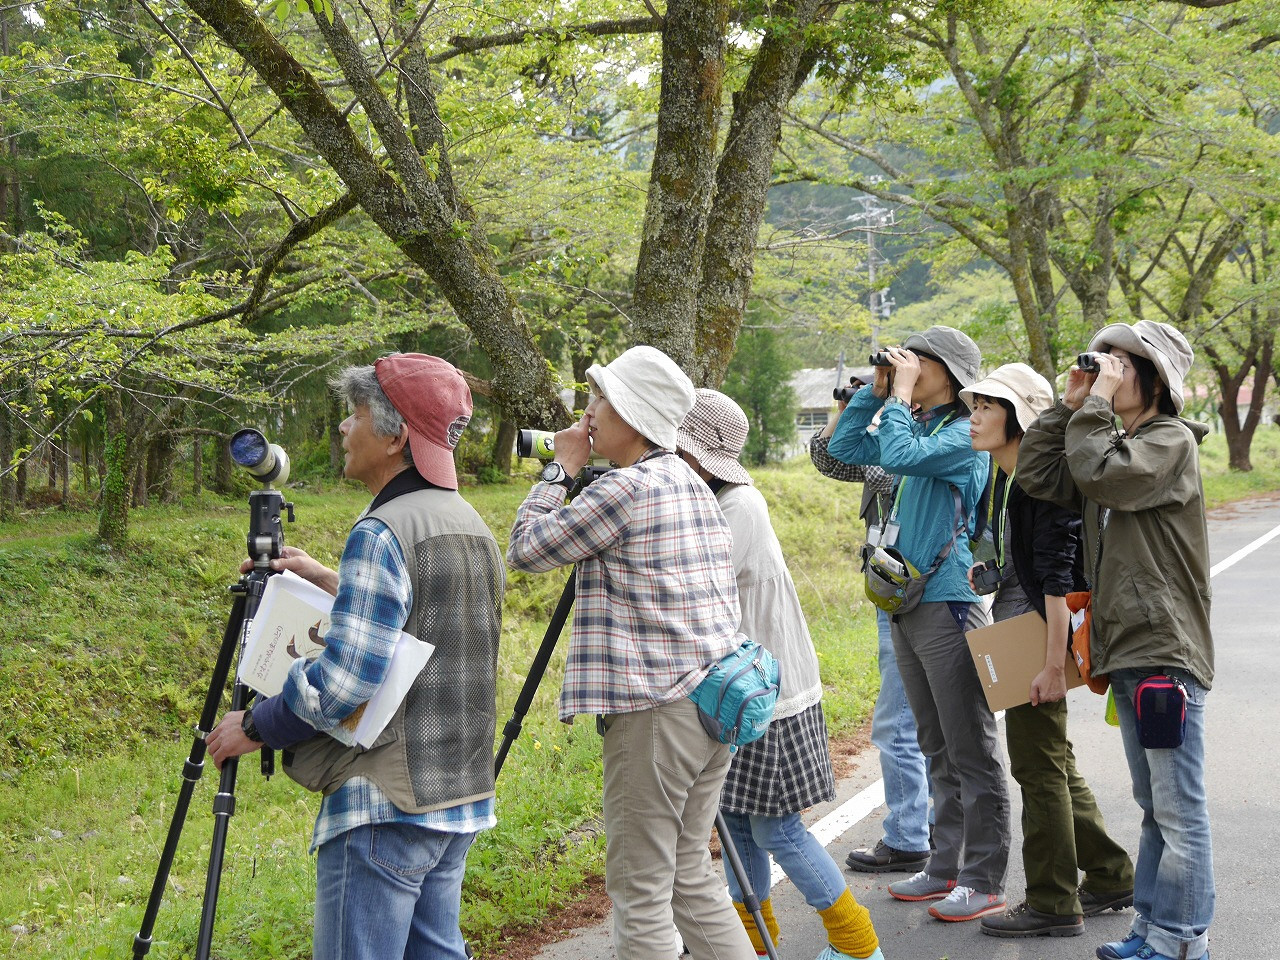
(1062, 828)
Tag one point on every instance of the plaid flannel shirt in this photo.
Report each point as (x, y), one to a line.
(375, 595)
(875, 478)
(657, 601)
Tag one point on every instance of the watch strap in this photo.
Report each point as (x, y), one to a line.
(250, 728)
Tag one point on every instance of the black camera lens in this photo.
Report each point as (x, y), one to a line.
(1088, 362)
(880, 359)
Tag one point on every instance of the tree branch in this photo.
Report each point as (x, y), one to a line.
(460, 45)
(301, 231)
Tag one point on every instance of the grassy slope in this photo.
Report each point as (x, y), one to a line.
(104, 661)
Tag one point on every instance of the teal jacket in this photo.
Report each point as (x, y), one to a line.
(929, 460)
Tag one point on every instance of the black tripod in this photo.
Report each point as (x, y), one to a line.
(266, 542)
(511, 730)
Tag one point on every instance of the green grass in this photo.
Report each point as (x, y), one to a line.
(104, 663)
(1223, 486)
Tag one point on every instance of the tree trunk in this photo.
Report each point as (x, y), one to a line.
(743, 176)
(139, 479)
(64, 468)
(8, 486)
(160, 456)
(503, 443)
(223, 469)
(334, 417)
(404, 202)
(681, 178)
(113, 519)
(197, 464)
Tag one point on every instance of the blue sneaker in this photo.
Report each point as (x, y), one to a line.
(1121, 949)
(1148, 952)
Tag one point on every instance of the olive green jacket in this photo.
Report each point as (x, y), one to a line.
(1150, 574)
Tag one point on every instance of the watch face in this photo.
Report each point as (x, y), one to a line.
(553, 473)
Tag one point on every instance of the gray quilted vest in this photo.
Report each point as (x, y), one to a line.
(437, 751)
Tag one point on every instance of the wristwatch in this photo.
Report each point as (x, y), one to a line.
(555, 473)
(249, 727)
(894, 398)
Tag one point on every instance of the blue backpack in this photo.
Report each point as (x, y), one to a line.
(736, 700)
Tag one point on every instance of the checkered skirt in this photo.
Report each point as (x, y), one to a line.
(785, 771)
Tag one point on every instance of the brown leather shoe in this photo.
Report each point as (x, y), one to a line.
(1023, 921)
(886, 859)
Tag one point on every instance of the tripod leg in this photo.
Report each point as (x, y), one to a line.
(749, 898)
(224, 808)
(555, 625)
(191, 772)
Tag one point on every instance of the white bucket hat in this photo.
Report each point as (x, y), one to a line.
(1160, 343)
(715, 431)
(648, 391)
(1030, 393)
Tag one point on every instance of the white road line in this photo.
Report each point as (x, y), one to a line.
(1244, 552)
(863, 804)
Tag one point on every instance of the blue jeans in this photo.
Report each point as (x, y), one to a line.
(390, 890)
(1173, 887)
(804, 860)
(902, 764)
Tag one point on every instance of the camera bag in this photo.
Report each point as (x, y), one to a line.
(736, 699)
(1160, 702)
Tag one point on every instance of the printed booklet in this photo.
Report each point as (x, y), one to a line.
(290, 624)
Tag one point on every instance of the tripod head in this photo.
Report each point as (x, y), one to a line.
(270, 464)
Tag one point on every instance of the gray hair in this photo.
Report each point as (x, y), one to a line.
(359, 386)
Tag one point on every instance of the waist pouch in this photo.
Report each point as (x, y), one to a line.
(891, 582)
(1161, 705)
(736, 699)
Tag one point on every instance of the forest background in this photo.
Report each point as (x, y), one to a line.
(207, 207)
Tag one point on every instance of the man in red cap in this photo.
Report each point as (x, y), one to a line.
(398, 818)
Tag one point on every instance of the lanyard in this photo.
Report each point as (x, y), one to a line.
(897, 500)
(996, 522)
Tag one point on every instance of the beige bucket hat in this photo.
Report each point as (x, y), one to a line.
(1030, 393)
(1160, 343)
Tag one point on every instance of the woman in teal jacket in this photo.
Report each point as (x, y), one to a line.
(943, 479)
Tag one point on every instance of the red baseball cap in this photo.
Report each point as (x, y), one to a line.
(435, 402)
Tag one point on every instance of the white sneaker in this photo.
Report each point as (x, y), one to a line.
(921, 887)
(966, 903)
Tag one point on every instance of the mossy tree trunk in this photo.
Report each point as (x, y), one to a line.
(681, 177)
(113, 518)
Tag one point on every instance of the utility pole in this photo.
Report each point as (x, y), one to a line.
(874, 218)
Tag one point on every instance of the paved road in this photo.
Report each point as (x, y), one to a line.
(1244, 796)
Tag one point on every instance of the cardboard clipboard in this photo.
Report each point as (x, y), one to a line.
(1009, 655)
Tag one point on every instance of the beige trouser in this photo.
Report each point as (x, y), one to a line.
(662, 779)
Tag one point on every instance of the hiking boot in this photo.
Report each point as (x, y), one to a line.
(831, 953)
(1025, 921)
(921, 887)
(1092, 904)
(1121, 949)
(883, 858)
(966, 903)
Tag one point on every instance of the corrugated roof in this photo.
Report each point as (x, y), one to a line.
(813, 385)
